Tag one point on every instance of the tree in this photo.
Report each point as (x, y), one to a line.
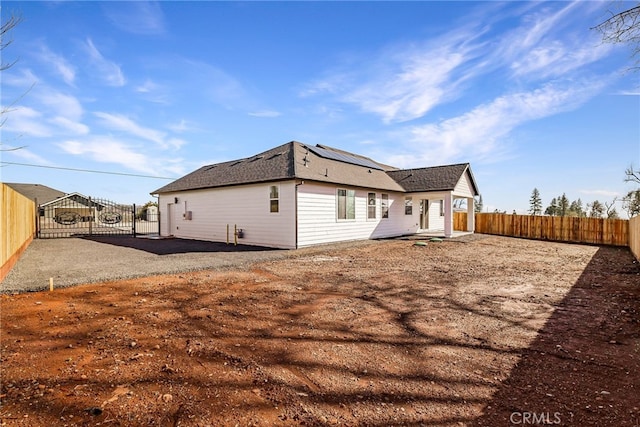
(623, 27)
(563, 205)
(535, 203)
(596, 209)
(5, 40)
(478, 204)
(552, 209)
(610, 210)
(575, 208)
(632, 175)
(631, 203)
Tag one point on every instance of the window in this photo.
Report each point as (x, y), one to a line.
(385, 206)
(346, 204)
(371, 206)
(441, 207)
(408, 206)
(274, 199)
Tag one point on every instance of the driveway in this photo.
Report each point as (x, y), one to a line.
(75, 261)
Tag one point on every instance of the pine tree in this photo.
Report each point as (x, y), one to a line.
(563, 205)
(535, 203)
(575, 209)
(552, 209)
(596, 209)
(478, 204)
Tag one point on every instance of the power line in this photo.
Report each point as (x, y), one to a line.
(85, 170)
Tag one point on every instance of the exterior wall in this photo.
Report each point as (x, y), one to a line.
(318, 223)
(463, 188)
(245, 206)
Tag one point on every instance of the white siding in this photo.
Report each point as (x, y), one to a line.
(246, 206)
(463, 187)
(318, 223)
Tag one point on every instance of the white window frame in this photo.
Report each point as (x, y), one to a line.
(275, 199)
(370, 206)
(408, 203)
(348, 194)
(442, 207)
(384, 207)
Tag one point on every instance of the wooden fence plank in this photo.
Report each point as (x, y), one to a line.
(17, 226)
(634, 236)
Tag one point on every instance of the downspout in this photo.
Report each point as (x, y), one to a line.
(295, 210)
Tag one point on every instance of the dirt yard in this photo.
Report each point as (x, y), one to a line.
(485, 331)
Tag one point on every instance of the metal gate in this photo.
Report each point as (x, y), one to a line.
(78, 215)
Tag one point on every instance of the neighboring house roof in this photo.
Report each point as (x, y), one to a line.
(76, 197)
(42, 193)
(295, 160)
(436, 178)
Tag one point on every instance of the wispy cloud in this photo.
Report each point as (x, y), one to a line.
(70, 126)
(108, 150)
(265, 113)
(122, 123)
(119, 122)
(600, 193)
(405, 82)
(59, 103)
(480, 133)
(546, 46)
(153, 92)
(139, 17)
(58, 63)
(27, 121)
(108, 71)
(26, 154)
(182, 126)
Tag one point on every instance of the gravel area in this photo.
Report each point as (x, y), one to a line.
(74, 261)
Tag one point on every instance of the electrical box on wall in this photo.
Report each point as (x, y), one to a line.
(188, 215)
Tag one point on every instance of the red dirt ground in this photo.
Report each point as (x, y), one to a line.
(487, 331)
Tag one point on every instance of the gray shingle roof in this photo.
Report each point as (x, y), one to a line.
(272, 165)
(436, 178)
(295, 160)
(40, 192)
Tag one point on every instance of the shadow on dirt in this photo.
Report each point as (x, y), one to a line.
(174, 246)
(582, 367)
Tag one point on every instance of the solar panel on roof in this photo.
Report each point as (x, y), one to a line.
(345, 158)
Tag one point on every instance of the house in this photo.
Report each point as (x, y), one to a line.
(298, 195)
(57, 206)
(37, 192)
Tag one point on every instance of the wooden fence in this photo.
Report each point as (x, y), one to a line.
(597, 231)
(460, 221)
(17, 227)
(634, 236)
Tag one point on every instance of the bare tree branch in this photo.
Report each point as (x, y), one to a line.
(623, 27)
(632, 175)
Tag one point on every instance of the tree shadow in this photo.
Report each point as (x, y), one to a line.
(174, 246)
(582, 368)
(328, 346)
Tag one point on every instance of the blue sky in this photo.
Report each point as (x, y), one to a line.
(525, 92)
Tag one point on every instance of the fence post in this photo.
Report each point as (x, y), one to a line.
(91, 217)
(134, 220)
